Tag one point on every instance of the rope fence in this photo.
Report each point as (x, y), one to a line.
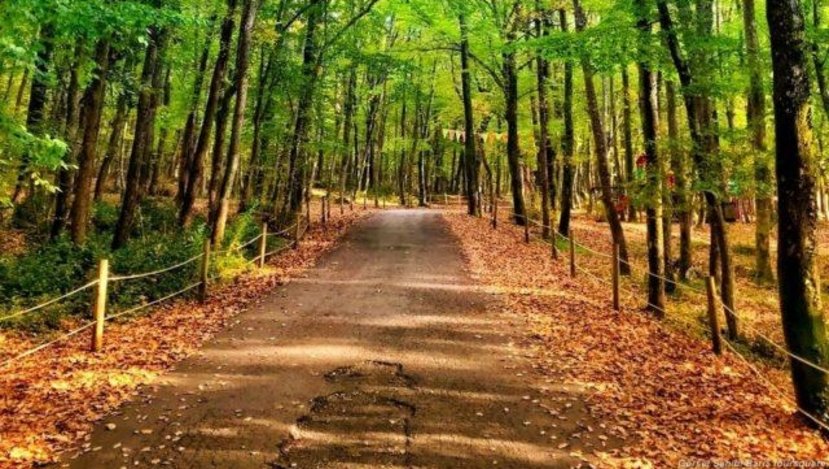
(713, 300)
(99, 301)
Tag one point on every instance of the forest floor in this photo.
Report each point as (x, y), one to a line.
(756, 303)
(656, 386)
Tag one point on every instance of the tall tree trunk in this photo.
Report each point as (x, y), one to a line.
(702, 126)
(510, 74)
(600, 143)
(756, 115)
(233, 156)
(797, 170)
(348, 110)
(544, 143)
(188, 140)
(653, 167)
(683, 205)
(310, 72)
(142, 139)
(117, 132)
(471, 163)
(71, 125)
(627, 131)
(93, 109)
(37, 103)
(567, 141)
(196, 170)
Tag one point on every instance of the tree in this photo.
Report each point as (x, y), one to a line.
(796, 167)
(653, 209)
(600, 143)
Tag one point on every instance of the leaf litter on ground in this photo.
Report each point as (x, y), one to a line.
(658, 388)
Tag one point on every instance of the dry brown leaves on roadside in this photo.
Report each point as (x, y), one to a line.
(660, 390)
(49, 401)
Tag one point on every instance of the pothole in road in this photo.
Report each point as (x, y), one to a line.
(367, 422)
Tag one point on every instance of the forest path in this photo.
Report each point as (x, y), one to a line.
(386, 354)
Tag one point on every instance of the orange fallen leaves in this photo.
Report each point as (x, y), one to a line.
(49, 401)
(660, 390)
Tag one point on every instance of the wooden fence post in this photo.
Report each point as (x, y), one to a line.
(323, 220)
(713, 321)
(572, 254)
(328, 208)
(100, 305)
(553, 239)
(297, 230)
(204, 273)
(495, 216)
(526, 227)
(616, 305)
(263, 245)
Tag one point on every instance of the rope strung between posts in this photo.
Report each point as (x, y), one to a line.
(771, 342)
(50, 302)
(283, 232)
(774, 387)
(728, 344)
(731, 311)
(47, 344)
(153, 303)
(156, 272)
(136, 309)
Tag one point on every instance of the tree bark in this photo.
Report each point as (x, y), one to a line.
(37, 103)
(600, 143)
(653, 168)
(567, 141)
(510, 74)
(142, 139)
(196, 170)
(471, 163)
(627, 131)
(544, 143)
(298, 159)
(93, 109)
(756, 115)
(233, 156)
(797, 171)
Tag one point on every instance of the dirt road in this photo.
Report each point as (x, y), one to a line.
(385, 355)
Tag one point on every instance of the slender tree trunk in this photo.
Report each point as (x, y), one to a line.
(188, 140)
(627, 130)
(797, 169)
(683, 206)
(142, 140)
(653, 167)
(114, 145)
(510, 74)
(310, 73)
(702, 126)
(601, 149)
(567, 142)
(544, 143)
(93, 109)
(37, 103)
(756, 115)
(233, 156)
(471, 163)
(196, 170)
(71, 129)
